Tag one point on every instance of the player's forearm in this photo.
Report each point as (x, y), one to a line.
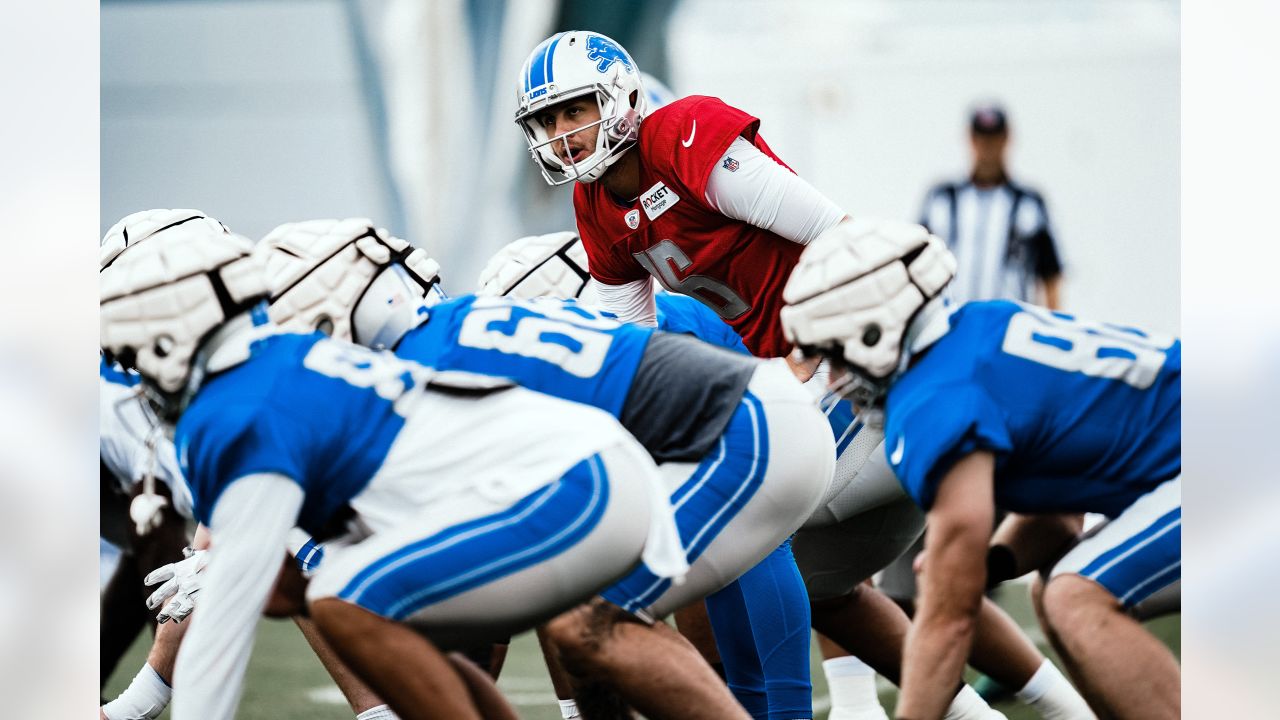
(164, 650)
(201, 539)
(951, 583)
(942, 632)
(1024, 543)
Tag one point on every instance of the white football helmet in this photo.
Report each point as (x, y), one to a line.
(855, 291)
(165, 297)
(138, 226)
(349, 280)
(657, 91)
(553, 265)
(571, 65)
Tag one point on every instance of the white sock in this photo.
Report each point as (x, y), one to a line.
(1053, 696)
(969, 705)
(379, 712)
(568, 709)
(852, 684)
(144, 699)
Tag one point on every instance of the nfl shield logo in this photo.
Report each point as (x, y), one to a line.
(730, 164)
(633, 219)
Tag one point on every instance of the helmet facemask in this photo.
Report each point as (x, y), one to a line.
(617, 132)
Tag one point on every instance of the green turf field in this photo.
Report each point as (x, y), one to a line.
(286, 682)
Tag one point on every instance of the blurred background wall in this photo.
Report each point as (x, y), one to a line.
(401, 110)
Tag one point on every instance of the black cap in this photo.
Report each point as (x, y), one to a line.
(988, 120)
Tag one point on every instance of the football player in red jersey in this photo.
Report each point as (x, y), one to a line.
(689, 193)
(660, 208)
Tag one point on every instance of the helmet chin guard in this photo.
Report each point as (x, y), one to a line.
(572, 65)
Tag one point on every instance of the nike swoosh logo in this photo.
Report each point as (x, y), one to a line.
(896, 457)
(692, 132)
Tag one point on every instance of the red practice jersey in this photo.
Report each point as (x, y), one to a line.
(670, 232)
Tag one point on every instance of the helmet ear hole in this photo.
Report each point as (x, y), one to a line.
(871, 335)
(163, 346)
(324, 324)
(634, 98)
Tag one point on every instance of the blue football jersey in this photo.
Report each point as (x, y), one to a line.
(321, 412)
(554, 347)
(115, 374)
(685, 315)
(1081, 417)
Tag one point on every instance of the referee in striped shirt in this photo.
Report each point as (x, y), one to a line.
(998, 229)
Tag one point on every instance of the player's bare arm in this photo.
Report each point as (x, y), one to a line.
(1024, 543)
(952, 581)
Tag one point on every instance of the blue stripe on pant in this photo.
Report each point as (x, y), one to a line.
(1144, 563)
(474, 553)
(716, 492)
(761, 623)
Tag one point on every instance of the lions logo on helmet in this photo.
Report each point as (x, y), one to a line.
(607, 52)
(553, 265)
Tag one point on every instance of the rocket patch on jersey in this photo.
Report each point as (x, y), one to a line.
(657, 200)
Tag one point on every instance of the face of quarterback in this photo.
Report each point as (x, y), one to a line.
(566, 117)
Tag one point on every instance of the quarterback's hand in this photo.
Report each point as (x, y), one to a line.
(181, 580)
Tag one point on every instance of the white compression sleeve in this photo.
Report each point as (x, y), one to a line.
(761, 192)
(144, 699)
(631, 302)
(249, 527)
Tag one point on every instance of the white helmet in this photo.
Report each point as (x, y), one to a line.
(553, 265)
(657, 92)
(856, 290)
(571, 65)
(165, 297)
(138, 226)
(348, 279)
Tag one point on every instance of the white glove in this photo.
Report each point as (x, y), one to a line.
(180, 580)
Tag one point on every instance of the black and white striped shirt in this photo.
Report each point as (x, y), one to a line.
(1000, 235)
